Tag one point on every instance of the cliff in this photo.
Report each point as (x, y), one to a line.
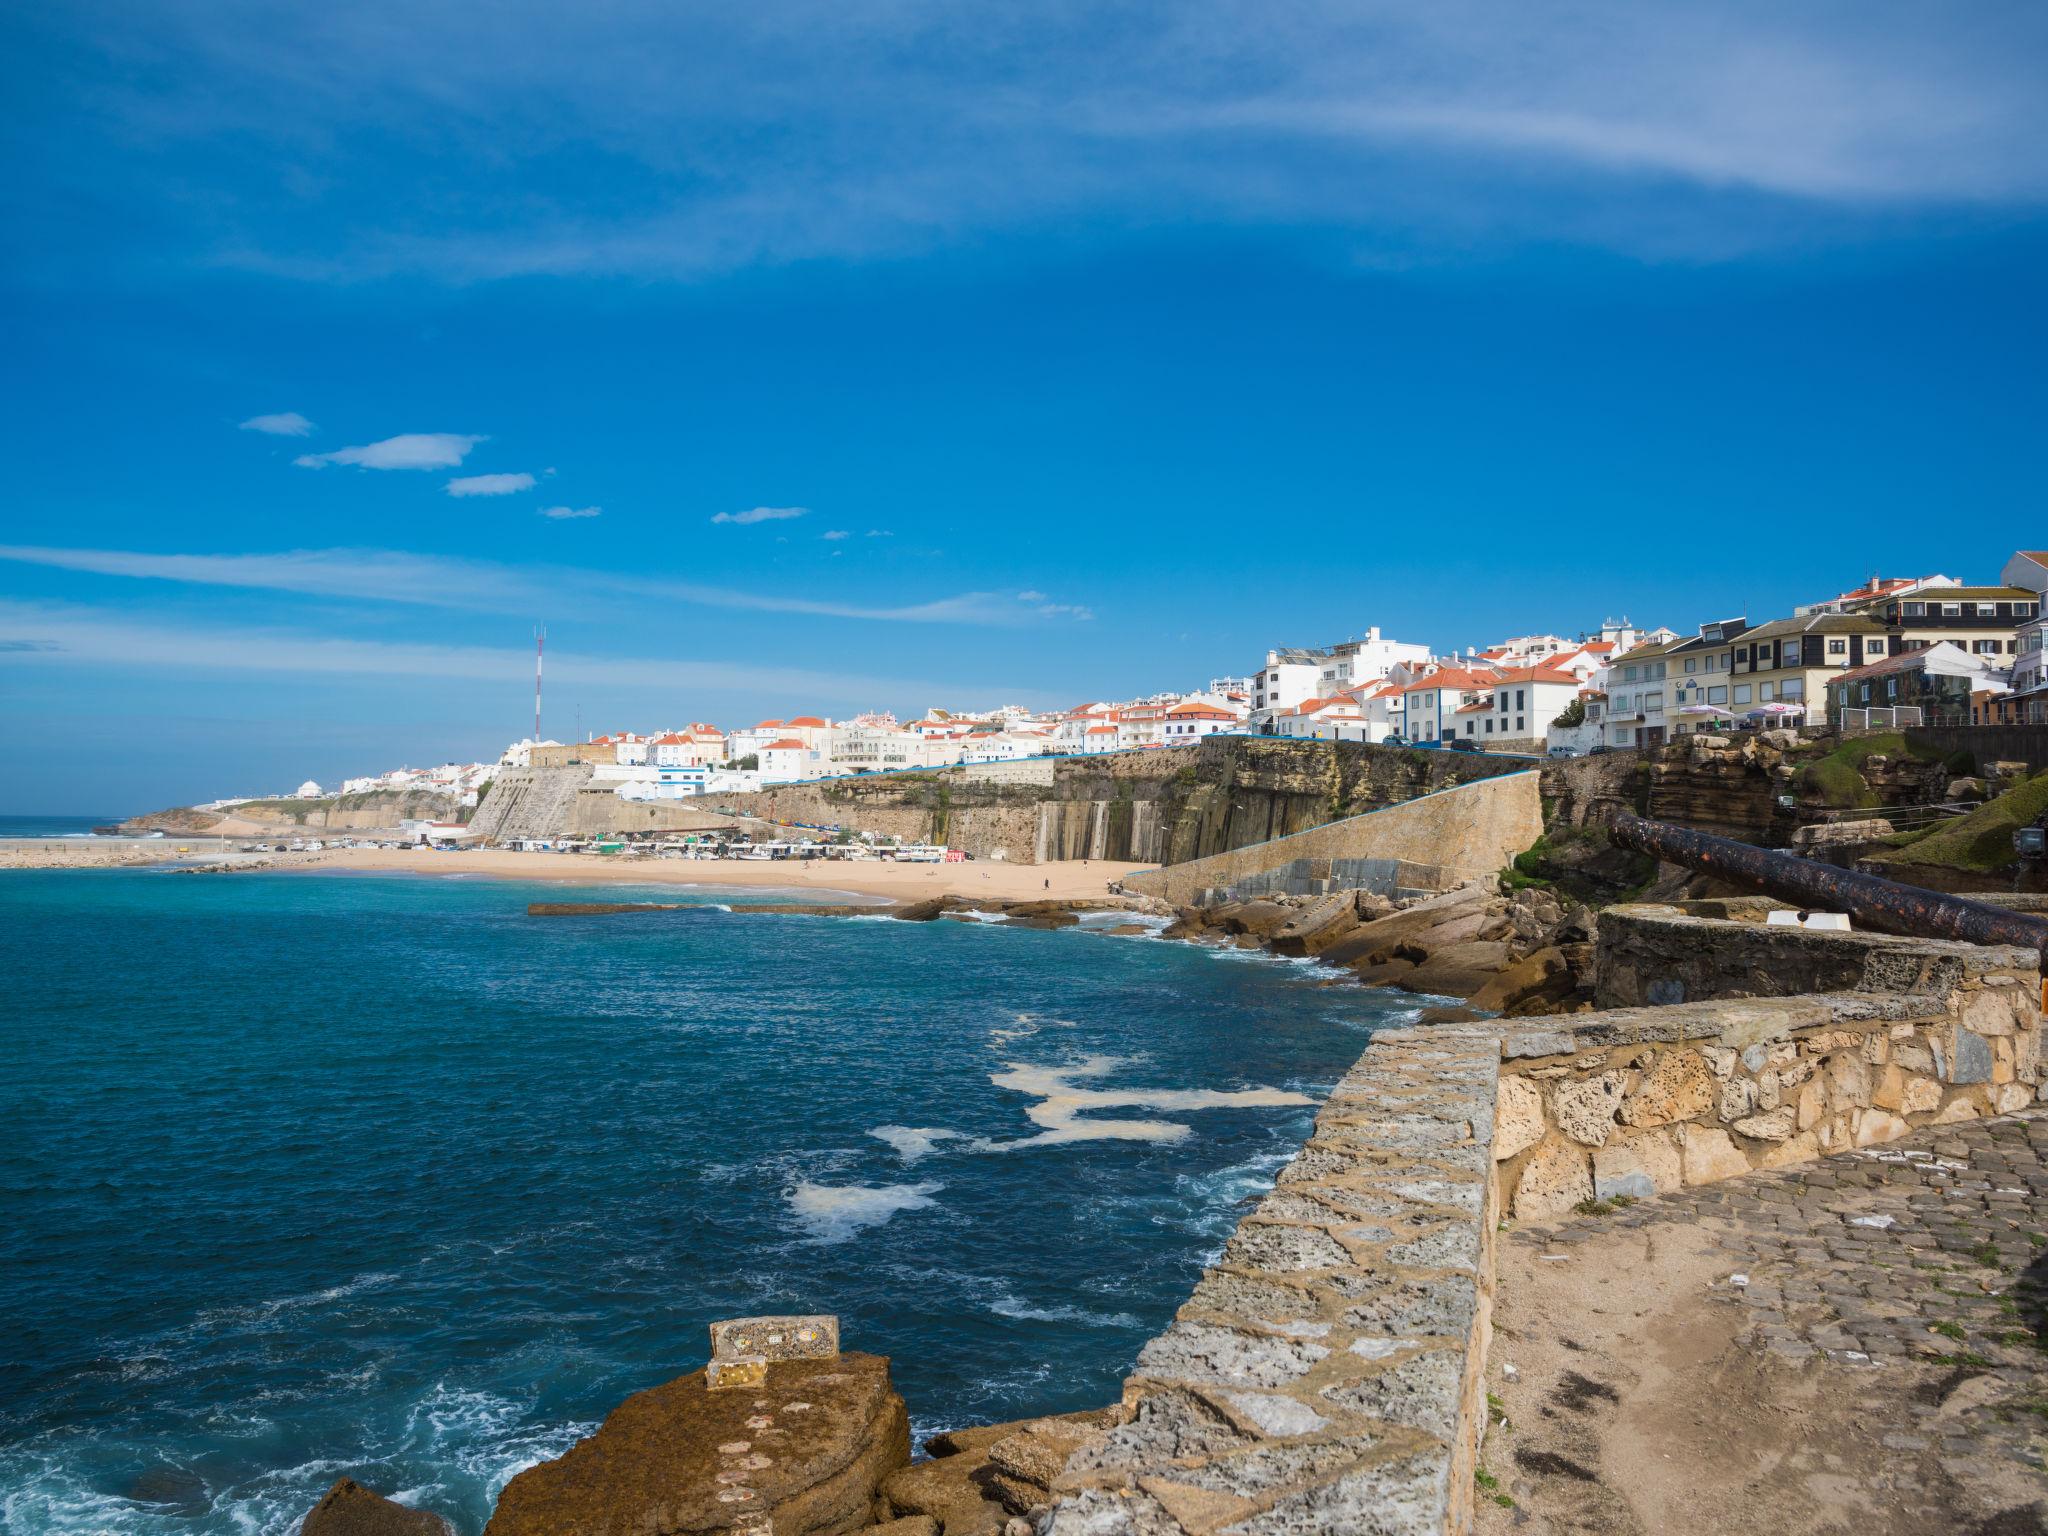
(376, 811)
(1157, 807)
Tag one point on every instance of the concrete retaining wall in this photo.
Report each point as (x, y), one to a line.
(1327, 1374)
(1470, 829)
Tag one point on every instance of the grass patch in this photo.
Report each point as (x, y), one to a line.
(1488, 1484)
(1949, 1330)
(1982, 841)
(1986, 1253)
(1595, 1207)
(1965, 1358)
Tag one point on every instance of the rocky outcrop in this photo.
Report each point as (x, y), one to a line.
(803, 1454)
(350, 1509)
(980, 1480)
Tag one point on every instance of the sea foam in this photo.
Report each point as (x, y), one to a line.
(832, 1213)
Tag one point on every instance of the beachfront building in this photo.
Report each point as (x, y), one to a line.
(1516, 716)
(1293, 675)
(1321, 720)
(1984, 621)
(1431, 703)
(1781, 669)
(1944, 683)
(1636, 687)
(1192, 719)
(787, 759)
(1698, 669)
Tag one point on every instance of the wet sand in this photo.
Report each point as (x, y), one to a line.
(894, 882)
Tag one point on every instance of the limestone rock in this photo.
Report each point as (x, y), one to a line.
(350, 1509)
(680, 1458)
(919, 911)
(1542, 973)
(1556, 1177)
(1459, 970)
(1517, 1117)
(1585, 1109)
(1877, 1125)
(1969, 1058)
(1709, 1155)
(1679, 1087)
(1639, 1166)
(1922, 1096)
(952, 1491)
(1778, 1125)
(908, 1525)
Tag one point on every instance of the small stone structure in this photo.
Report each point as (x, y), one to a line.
(1644, 1100)
(1326, 1374)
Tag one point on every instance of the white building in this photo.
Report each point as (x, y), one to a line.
(1431, 703)
(1192, 719)
(2028, 568)
(787, 759)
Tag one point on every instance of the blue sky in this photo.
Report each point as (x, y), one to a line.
(1091, 348)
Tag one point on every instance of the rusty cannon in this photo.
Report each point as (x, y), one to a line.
(1883, 906)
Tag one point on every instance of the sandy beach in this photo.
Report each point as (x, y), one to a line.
(893, 882)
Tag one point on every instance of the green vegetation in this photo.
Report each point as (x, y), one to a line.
(748, 763)
(1986, 1253)
(1949, 1330)
(1982, 841)
(1966, 1357)
(1836, 777)
(1574, 714)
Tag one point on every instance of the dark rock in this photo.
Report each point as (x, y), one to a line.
(919, 911)
(683, 1459)
(350, 1509)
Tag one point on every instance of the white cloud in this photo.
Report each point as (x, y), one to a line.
(395, 576)
(760, 515)
(880, 533)
(409, 450)
(566, 512)
(67, 635)
(1030, 597)
(490, 485)
(283, 424)
(835, 533)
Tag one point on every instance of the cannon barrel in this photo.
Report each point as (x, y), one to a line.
(1882, 905)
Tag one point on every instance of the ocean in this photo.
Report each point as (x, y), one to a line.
(307, 1175)
(53, 826)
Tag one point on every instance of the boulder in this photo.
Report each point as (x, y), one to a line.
(1441, 920)
(1316, 928)
(1543, 973)
(350, 1509)
(1459, 970)
(1254, 919)
(953, 1491)
(807, 1451)
(1557, 1176)
(919, 911)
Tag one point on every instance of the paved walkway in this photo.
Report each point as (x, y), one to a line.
(1924, 1261)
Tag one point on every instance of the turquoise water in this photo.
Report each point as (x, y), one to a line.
(312, 1175)
(53, 826)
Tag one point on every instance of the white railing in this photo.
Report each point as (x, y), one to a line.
(1856, 721)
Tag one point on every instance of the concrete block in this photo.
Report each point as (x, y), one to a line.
(813, 1337)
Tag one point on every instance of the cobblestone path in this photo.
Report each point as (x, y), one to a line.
(1923, 1263)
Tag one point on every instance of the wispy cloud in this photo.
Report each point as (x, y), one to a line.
(559, 513)
(283, 424)
(74, 635)
(752, 135)
(880, 533)
(392, 576)
(490, 485)
(760, 515)
(835, 533)
(409, 450)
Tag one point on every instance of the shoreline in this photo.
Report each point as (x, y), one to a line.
(895, 883)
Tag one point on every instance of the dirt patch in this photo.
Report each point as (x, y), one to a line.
(1638, 1404)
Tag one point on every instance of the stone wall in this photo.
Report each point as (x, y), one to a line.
(1639, 1101)
(1469, 830)
(1327, 1374)
(1695, 950)
(1987, 743)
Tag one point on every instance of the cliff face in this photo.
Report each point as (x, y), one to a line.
(376, 811)
(1159, 807)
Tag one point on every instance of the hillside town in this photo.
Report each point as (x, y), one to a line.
(1892, 651)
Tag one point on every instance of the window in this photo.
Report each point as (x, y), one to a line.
(1985, 647)
(1873, 647)
(1717, 695)
(1985, 610)
(1915, 610)
(1792, 688)
(1628, 674)
(2023, 610)
(1838, 647)
(1521, 697)
(1763, 693)
(1692, 664)
(1742, 693)
(1489, 727)
(1659, 670)
(1518, 724)
(1951, 610)
(1653, 703)
(1713, 663)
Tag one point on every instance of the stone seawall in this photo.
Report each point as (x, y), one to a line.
(1468, 831)
(1326, 1374)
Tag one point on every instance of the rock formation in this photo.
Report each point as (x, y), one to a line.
(350, 1509)
(803, 1454)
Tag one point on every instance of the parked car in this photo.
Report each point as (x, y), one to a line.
(1460, 744)
(1396, 739)
(1562, 752)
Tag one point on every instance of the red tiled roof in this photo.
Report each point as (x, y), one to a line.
(787, 741)
(811, 722)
